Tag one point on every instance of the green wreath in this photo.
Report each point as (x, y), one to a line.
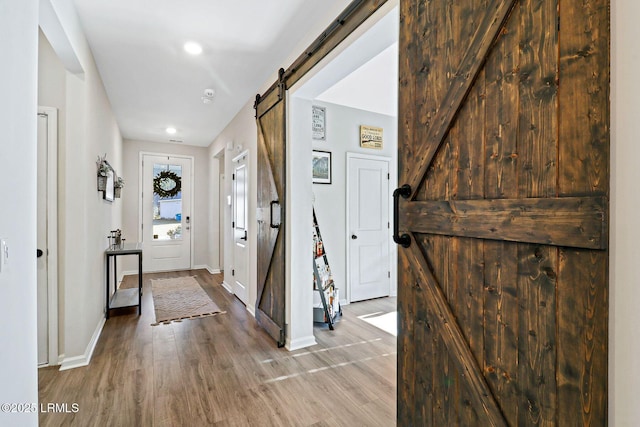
(167, 184)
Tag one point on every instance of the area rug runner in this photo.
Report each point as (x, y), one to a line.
(180, 298)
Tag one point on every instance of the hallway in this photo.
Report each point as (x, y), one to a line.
(225, 370)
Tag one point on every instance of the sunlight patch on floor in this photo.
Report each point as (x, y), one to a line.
(388, 322)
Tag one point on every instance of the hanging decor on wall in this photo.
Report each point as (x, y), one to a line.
(118, 187)
(103, 171)
(319, 123)
(370, 137)
(321, 167)
(167, 184)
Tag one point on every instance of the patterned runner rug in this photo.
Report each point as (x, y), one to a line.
(180, 298)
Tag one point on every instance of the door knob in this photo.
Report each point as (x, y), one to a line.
(354, 237)
(39, 253)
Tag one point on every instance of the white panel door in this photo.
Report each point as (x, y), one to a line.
(43, 284)
(240, 227)
(368, 228)
(166, 207)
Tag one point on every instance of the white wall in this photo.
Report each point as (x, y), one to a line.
(624, 344)
(241, 134)
(88, 129)
(131, 193)
(299, 273)
(18, 108)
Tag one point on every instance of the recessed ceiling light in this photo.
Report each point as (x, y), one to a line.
(193, 48)
(171, 131)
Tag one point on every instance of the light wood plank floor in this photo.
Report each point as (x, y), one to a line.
(224, 370)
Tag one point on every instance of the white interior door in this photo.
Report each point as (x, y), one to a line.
(167, 221)
(42, 262)
(221, 228)
(368, 227)
(240, 271)
(47, 219)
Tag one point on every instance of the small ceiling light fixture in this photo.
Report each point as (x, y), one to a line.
(171, 131)
(193, 48)
(208, 96)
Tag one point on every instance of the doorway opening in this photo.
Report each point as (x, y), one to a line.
(356, 87)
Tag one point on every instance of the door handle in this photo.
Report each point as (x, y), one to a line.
(245, 236)
(354, 237)
(39, 253)
(405, 192)
(271, 223)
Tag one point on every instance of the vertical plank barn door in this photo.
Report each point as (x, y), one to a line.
(503, 213)
(270, 304)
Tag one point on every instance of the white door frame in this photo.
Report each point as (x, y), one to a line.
(140, 189)
(52, 231)
(348, 228)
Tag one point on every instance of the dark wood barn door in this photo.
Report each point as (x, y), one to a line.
(504, 143)
(270, 304)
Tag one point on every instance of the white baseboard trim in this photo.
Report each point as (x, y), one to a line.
(344, 302)
(299, 343)
(252, 310)
(206, 267)
(227, 287)
(83, 360)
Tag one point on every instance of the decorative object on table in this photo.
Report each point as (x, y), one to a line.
(115, 239)
(370, 137)
(118, 187)
(103, 171)
(318, 123)
(181, 298)
(167, 184)
(321, 167)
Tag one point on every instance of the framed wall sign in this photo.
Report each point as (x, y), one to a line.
(370, 137)
(319, 123)
(321, 167)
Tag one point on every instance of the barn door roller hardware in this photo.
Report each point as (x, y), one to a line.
(405, 192)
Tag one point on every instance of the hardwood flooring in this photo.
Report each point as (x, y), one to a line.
(226, 371)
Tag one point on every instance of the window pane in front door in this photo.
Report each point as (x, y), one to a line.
(167, 202)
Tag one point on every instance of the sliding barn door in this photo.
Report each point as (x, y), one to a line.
(270, 304)
(504, 147)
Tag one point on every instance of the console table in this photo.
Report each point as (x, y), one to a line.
(123, 297)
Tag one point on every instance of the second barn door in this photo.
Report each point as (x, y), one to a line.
(502, 213)
(270, 303)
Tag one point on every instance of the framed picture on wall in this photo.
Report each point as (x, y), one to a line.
(370, 137)
(319, 123)
(321, 167)
(109, 192)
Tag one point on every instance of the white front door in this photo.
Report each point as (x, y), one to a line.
(240, 271)
(368, 228)
(166, 212)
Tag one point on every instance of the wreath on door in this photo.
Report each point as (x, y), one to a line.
(167, 184)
